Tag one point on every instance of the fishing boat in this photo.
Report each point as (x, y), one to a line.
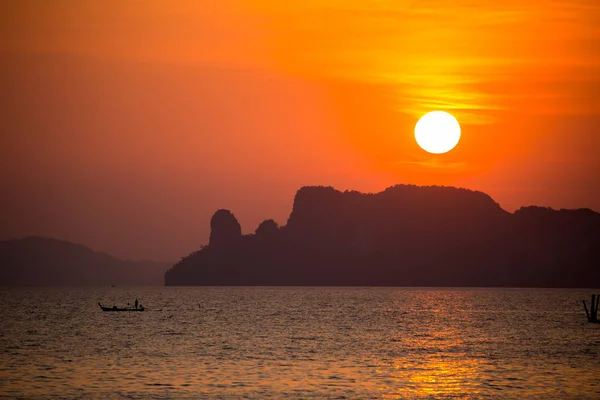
(115, 308)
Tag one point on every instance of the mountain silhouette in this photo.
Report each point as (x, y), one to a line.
(404, 236)
(38, 261)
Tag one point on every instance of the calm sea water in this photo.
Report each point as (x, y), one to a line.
(298, 343)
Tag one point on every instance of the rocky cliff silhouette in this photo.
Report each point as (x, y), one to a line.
(403, 236)
(38, 261)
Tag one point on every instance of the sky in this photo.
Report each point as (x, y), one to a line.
(126, 124)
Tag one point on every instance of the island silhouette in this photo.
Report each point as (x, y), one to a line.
(39, 261)
(405, 235)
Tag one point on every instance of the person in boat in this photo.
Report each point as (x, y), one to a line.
(136, 303)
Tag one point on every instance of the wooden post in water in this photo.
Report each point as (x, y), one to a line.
(585, 308)
(592, 314)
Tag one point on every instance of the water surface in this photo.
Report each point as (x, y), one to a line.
(298, 343)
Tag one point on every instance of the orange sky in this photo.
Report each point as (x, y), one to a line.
(126, 124)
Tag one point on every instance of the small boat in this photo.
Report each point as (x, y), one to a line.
(115, 308)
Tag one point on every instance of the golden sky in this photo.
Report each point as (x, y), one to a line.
(126, 124)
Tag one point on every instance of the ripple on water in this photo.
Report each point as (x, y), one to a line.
(297, 343)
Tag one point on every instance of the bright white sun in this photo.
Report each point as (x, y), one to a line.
(437, 132)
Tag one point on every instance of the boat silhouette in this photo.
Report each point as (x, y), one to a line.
(115, 308)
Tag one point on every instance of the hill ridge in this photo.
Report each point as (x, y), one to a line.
(405, 235)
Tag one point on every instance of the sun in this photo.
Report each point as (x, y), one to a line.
(437, 132)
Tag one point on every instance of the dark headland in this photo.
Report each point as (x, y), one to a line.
(38, 261)
(403, 236)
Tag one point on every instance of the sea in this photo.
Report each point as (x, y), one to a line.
(298, 343)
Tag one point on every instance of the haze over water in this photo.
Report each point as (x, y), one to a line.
(210, 342)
